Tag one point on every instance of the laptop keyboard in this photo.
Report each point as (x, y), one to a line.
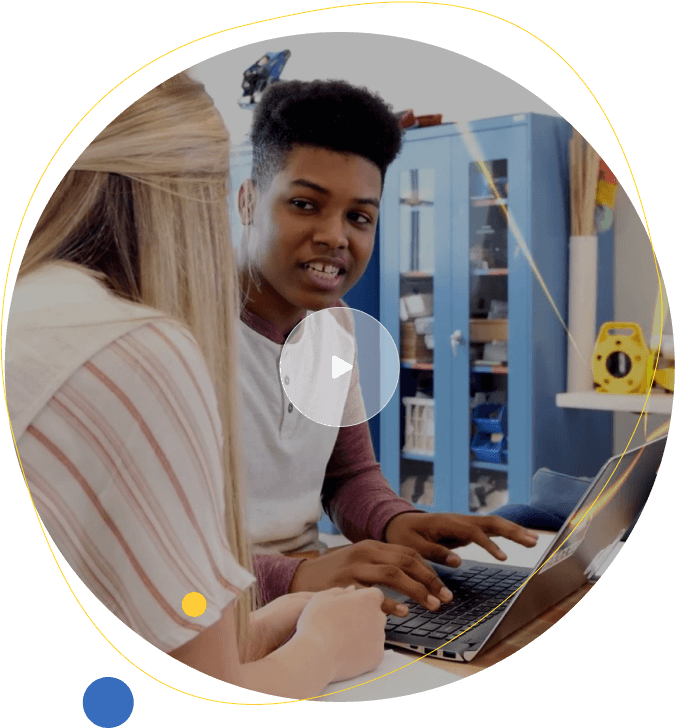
(476, 592)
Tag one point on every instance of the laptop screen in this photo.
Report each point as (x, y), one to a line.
(608, 509)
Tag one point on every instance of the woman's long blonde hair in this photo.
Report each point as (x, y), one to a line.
(146, 206)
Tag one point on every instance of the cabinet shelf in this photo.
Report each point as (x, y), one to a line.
(423, 456)
(478, 464)
(420, 365)
(417, 274)
(478, 369)
(415, 202)
(488, 202)
(484, 465)
(490, 272)
(493, 369)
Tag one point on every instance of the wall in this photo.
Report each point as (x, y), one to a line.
(407, 74)
(636, 296)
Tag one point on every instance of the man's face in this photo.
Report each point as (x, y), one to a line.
(316, 226)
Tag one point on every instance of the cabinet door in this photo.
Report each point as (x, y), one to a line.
(415, 300)
(490, 337)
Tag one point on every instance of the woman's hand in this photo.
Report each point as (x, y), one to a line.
(273, 624)
(347, 626)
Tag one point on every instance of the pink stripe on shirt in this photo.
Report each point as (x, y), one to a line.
(161, 456)
(105, 517)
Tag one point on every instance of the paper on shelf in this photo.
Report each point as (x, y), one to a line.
(415, 677)
(418, 305)
(403, 311)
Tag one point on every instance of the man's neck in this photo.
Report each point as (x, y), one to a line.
(267, 304)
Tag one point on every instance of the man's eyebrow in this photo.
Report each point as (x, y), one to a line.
(323, 191)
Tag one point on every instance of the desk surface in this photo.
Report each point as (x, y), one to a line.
(517, 556)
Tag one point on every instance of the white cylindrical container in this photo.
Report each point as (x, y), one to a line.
(581, 311)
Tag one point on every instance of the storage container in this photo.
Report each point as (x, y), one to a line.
(490, 417)
(419, 426)
(485, 450)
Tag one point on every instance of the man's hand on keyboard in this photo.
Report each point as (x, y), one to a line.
(372, 563)
(433, 535)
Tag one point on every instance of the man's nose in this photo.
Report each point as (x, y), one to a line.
(331, 232)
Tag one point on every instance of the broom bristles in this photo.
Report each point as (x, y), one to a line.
(584, 169)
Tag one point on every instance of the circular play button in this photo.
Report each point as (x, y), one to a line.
(339, 367)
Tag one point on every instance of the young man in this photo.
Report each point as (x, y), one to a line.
(310, 209)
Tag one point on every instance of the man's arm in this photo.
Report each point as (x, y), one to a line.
(361, 503)
(274, 574)
(355, 494)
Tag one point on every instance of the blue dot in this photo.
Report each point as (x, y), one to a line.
(108, 702)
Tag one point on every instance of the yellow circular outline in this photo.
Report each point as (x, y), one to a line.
(237, 27)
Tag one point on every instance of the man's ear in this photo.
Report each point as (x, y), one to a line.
(246, 201)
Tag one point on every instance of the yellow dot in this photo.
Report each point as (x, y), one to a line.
(194, 604)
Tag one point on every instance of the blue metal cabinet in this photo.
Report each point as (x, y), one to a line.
(453, 246)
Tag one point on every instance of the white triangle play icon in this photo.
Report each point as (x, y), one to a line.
(340, 367)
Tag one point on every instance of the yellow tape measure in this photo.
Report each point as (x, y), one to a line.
(622, 363)
(666, 378)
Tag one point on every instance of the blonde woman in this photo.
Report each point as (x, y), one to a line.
(121, 389)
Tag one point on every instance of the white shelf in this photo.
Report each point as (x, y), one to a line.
(659, 402)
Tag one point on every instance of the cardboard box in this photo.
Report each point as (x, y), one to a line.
(484, 330)
(413, 346)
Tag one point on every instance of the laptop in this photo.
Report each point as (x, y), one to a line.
(493, 601)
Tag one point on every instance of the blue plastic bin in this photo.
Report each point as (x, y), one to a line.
(486, 450)
(490, 417)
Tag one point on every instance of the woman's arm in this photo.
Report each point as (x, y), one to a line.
(340, 634)
(271, 625)
(299, 669)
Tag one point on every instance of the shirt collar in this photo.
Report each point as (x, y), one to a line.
(265, 328)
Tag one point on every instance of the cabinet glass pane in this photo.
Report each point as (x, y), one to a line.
(416, 305)
(488, 334)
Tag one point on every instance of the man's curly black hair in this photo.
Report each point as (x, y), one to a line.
(329, 114)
